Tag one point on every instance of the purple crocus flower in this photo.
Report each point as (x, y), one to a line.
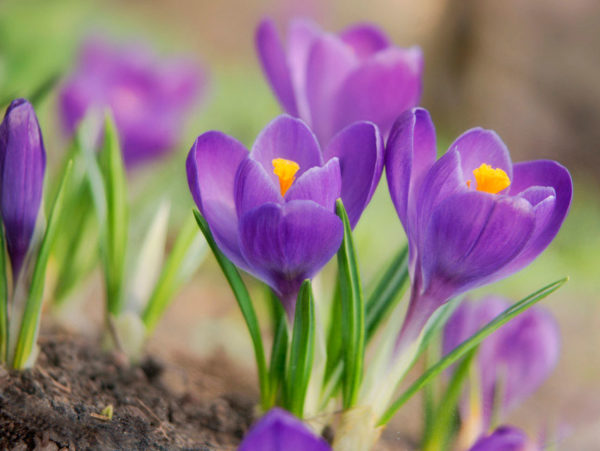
(471, 217)
(272, 211)
(332, 80)
(505, 438)
(149, 99)
(279, 430)
(512, 362)
(22, 166)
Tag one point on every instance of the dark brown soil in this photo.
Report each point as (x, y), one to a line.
(58, 404)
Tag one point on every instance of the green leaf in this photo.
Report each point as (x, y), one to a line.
(388, 292)
(334, 337)
(470, 344)
(31, 315)
(114, 243)
(3, 300)
(42, 91)
(279, 349)
(302, 350)
(169, 278)
(353, 313)
(243, 299)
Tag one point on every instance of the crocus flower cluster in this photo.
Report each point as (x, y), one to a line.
(512, 362)
(22, 166)
(279, 430)
(148, 98)
(471, 217)
(332, 80)
(272, 211)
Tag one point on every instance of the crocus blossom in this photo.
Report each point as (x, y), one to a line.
(505, 438)
(272, 211)
(22, 166)
(512, 362)
(279, 430)
(471, 217)
(332, 80)
(148, 98)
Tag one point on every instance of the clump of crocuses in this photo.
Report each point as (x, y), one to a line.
(149, 98)
(25, 234)
(332, 80)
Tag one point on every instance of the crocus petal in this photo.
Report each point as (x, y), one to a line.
(211, 167)
(301, 36)
(550, 213)
(280, 431)
(273, 59)
(290, 243)
(181, 82)
(365, 39)
(329, 63)
(253, 187)
(359, 148)
(289, 138)
(380, 89)
(22, 166)
(471, 236)
(477, 146)
(322, 185)
(410, 153)
(505, 438)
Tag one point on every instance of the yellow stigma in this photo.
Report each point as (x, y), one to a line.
(490, 180)
(286, 171)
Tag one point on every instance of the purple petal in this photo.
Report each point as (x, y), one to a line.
(550, 212)
(273, 59)
(410, 153)
(329, 63)
(253, 187)
(22, 166)
(289, 138)
(380, 89)
(322, 185)
(365, 39)
(301, 36)
(477, 146)
(286, 244)
(181, 82)
(211, 167)
(359, 148)
(279, 430)
(505, 438)
(471, 236)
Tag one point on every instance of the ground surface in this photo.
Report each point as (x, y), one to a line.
(58, 404)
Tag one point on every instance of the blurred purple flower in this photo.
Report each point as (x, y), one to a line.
(512, 362)
(331, 80)
(272, 211)
(22, 166)
(149, 98)
(471, 217)
(505, 438)
(279, 430)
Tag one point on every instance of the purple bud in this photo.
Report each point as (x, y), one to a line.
(22, 166)
(279, 430)
(505, 438)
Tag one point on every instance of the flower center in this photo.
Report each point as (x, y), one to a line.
(490, 180)
(286, 171)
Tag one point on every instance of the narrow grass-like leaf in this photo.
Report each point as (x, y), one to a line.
(244, 302)
(31, 315)
(387, 292)
(470, 344)
(169, 277)
(115, 185)
(3, 301)
(439, 431)
(43, 89)
(353, 313)
(334, 337)
(301, 350)
(277, 363)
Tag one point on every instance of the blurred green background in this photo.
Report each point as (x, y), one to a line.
(529, 70)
